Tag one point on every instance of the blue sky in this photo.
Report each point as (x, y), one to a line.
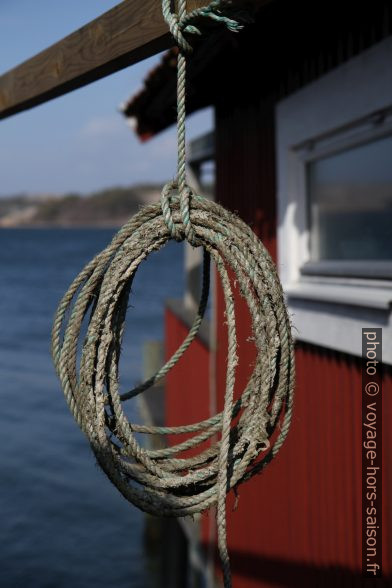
(78, 142)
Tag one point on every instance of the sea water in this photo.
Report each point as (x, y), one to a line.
(63, 524)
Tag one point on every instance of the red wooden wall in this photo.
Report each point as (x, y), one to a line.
(298, 524)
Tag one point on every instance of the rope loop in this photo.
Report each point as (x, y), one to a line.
(236, 443)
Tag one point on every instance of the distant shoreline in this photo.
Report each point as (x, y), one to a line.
(106, 209)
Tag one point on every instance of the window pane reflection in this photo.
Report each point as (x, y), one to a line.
(350, 203)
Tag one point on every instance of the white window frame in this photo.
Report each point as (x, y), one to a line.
(346, 107)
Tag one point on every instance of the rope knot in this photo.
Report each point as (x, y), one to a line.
(183, 196)
(182, 22)
(176, 26)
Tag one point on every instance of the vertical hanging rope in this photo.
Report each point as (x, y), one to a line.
(249, 432)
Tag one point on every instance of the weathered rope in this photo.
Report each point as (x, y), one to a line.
(162, 481)
(250, 430)
(180, 23)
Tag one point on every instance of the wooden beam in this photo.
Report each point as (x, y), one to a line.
(126, 34)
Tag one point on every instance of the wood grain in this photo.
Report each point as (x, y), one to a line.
(126, 34)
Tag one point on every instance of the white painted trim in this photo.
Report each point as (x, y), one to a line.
(341, 108)
(365, 297)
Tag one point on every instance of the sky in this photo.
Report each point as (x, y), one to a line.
(78, 142)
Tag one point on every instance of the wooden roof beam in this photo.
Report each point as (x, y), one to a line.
(126, 34)
(130, 32)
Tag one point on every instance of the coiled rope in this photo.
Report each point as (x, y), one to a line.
(249, 432)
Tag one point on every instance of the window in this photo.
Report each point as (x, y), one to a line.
(349, 208)
(334, 173)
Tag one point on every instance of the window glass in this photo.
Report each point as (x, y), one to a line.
(350, 203)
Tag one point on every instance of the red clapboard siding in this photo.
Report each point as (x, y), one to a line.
(298, 524)
(245, 167)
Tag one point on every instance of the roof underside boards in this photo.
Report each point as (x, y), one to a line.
(289, 44)
(154, 108)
